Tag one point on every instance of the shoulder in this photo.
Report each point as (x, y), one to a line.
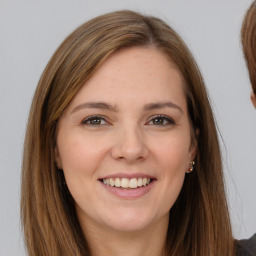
(246, 247)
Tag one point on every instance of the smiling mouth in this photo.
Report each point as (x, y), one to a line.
(126, 183)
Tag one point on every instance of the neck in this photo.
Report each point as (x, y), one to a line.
(150, 241)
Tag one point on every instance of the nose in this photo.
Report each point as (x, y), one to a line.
(130, 146)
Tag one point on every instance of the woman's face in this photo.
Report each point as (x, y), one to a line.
(124, 142)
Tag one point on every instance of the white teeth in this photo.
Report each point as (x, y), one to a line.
(126, 183)
(133, 183)
(117, 182)
(112, 182)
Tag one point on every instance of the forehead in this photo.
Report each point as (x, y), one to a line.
(134, 74)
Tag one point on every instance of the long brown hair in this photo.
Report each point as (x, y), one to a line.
(248, 38)
(199, 220)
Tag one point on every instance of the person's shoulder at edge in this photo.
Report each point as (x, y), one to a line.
(246, 247)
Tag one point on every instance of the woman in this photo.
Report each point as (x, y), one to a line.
(248, 37)
(121, 153)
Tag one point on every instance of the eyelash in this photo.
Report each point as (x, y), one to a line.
(91, 118)
(166, 120)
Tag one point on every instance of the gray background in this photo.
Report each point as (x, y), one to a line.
(30, 31)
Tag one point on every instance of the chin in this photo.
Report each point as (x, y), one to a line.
(129, 225)
(130, 221)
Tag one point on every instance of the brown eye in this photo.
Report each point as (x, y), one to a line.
(161, 121)
(94, 121)
(158, 121)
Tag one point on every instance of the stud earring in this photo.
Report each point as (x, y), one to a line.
(191, 167)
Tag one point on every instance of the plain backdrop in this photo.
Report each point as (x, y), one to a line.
(30, 31)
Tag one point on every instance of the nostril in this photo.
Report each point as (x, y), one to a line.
(129, 152)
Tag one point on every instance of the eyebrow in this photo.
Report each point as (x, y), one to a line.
(93, 105)
(160, 105)
(106, 106)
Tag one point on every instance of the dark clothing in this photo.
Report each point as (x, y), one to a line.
(246, 247)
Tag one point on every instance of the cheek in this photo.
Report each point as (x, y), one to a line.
(173, 165)
(80, 160)
(172, 161)
(174, 153)
(78, 156)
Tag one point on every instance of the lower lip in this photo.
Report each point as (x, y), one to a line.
(131, 193)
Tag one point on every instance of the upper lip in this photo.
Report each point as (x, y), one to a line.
(127, 175)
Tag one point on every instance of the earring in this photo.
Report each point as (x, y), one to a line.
(191, 167)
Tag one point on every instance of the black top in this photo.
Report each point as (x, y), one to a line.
(246, 247)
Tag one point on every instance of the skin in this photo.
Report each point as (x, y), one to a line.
(126, 138)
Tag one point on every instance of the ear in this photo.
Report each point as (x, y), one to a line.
(253, 99)
(57, 157)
